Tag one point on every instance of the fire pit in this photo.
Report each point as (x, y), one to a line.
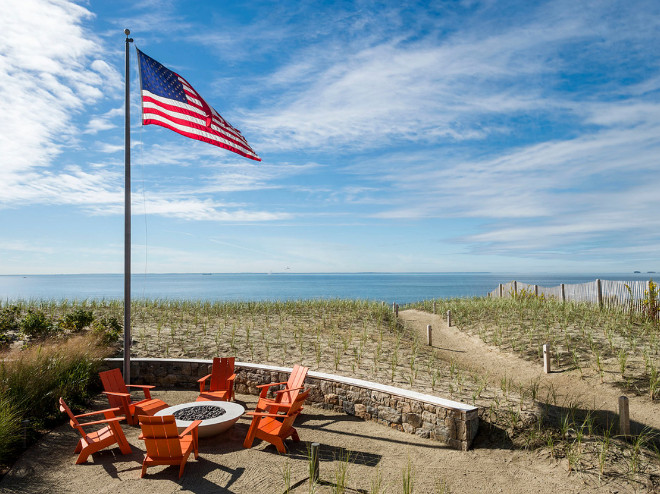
(216, 416)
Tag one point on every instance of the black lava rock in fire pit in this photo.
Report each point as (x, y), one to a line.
(199, 413)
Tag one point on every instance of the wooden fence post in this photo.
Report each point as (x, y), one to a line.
(429, 335)
(599, 294)
(624, 416)
(449, 318)
(314, 474)
(395, 309)
(563, 293)
(501, 290)
(546, 358)
(536, 290)
(434, 307)
(515, 289)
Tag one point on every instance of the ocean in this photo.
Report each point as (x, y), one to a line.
(387, 287)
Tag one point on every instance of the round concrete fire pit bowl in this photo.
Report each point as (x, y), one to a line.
(209, 426)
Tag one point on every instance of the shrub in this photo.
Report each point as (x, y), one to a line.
(32, 380)
(10, 430)
(108, 329)
(36, 324)
(9, 319)
(77, 320)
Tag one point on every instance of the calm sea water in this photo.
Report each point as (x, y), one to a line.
(387, 287)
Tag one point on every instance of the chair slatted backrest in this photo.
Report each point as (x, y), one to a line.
(73, 421)
(113, 381)
(222, 369)
(296, 380)
(161, 436)
(293, 412)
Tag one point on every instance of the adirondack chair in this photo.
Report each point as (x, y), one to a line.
(285, 397)
(274, 427)
(221, 384)
(165, 446)
(118, 396)
(95, 441)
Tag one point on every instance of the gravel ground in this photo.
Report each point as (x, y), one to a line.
(368, 451)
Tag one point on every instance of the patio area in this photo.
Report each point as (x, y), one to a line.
(225, 466)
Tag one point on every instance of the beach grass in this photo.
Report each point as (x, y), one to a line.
(621, 347)
(364, 339)
(32, 379)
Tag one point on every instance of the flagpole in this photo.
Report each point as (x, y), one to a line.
(127, 220)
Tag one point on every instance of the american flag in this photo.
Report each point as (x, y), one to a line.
(170, 101)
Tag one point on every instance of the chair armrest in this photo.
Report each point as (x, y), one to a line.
(265, 402)
(192, 426)
(269, 385)
(120, 395)
(88, 414)
(287, 390)
(143, 386)
(232, 377)
(202, 382)
(263, 414)
(104, 421)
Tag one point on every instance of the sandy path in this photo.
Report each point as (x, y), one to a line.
(472, 353)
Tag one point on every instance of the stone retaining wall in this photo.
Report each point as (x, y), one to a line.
(449, 422)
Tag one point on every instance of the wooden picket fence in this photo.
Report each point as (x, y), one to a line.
(624, 295)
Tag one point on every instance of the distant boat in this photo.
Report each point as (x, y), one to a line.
(637, 272)
(207, 274)
(651, 272)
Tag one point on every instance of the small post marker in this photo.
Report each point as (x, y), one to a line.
(624, 416)
(449, 318)
(395, 309)
(26, 424)
(314, 474)
(429, 335)
(434, 311)
(547, 357)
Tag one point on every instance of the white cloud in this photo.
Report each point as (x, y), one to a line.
(43, 79)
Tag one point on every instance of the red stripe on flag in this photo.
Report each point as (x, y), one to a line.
(236, 142)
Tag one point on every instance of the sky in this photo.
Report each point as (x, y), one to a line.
(502, 136)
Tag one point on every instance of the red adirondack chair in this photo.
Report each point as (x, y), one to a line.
(95, 441)
(118, 396)
(165, 446)
(221, 384)
(274, 427)
(285, 397)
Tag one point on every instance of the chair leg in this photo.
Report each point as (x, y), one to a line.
(82, 458)
(279, 444)
(118, 433)
(252, 432)
(144, 468)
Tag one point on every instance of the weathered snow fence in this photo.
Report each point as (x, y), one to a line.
(449, 422)
(429, 335)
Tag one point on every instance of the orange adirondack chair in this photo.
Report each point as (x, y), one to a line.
(118, 396)
(285, 397)
(102, 438)
(165, 446)
(274, 427)
(221, 385)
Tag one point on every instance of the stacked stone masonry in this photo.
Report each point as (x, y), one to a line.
(452, 426)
